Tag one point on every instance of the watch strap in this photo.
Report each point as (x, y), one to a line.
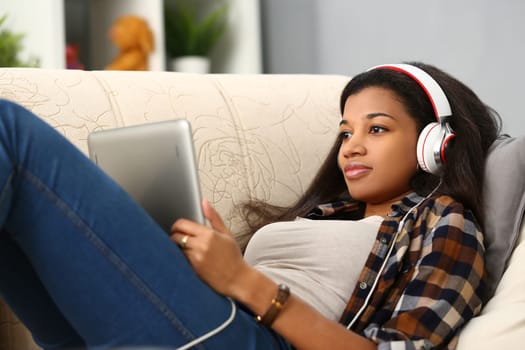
(283, 292)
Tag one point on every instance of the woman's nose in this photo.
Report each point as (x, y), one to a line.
(353, 146)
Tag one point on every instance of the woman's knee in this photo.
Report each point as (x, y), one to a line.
(11, 112)
(18, 119)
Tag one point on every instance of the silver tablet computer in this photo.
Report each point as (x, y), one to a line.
(155, 164)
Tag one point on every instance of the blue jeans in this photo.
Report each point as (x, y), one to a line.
(83, 266)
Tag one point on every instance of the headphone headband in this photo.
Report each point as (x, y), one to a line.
(435, 94)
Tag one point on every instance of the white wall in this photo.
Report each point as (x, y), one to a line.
(291, 39)
(478, 41)
(240, 50)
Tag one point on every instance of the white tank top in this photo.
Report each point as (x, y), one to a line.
(320, 260)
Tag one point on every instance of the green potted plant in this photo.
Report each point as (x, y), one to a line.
(10, 48)
(192, 31)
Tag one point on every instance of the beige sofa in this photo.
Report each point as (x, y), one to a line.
(257, 136)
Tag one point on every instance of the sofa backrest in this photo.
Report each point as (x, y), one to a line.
(256, 136)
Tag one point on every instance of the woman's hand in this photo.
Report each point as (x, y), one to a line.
(213, 252)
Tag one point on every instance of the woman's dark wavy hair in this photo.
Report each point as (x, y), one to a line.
(475, 124)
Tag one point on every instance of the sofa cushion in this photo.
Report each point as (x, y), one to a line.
(504, 192)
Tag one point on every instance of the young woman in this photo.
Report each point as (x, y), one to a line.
(84, 267)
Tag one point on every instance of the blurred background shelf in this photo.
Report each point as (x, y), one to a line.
(49, 25)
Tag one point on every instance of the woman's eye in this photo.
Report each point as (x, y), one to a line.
(345, 135)
(377, 129)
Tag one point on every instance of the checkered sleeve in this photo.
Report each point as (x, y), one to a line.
(446, 286)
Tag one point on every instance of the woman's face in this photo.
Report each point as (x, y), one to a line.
(378, 150)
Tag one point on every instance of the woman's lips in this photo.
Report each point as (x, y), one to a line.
(353, 171)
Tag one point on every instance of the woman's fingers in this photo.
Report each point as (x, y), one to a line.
(212, 251)
(211, 214)
(214, 218)
(182, 230)
(181, 240)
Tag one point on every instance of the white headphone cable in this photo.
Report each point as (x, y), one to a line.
(214, 331)
(376, 280)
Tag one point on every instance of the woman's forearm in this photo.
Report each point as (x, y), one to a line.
(300, 324)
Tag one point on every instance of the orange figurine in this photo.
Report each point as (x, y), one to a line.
(133, 37)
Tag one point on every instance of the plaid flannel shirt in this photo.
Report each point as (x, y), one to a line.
(434, 280)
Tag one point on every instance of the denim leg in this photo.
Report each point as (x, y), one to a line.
(21, 288)
(115, 276)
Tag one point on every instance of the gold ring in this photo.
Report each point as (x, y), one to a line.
(183, 241)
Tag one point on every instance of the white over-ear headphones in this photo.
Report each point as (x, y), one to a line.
(434, 138)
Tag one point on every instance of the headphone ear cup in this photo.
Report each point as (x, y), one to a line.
(429, 146)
